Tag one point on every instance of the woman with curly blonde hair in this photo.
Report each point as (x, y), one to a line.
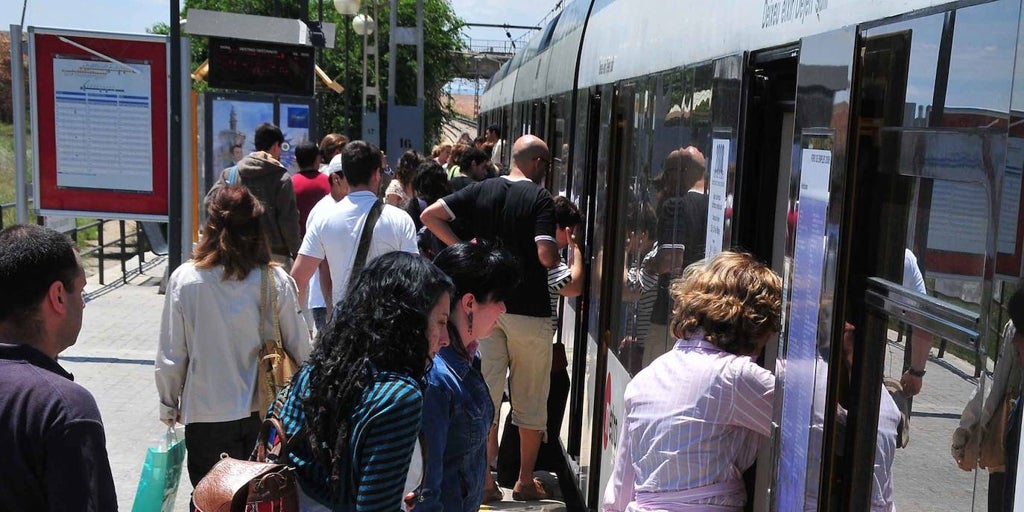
(694, 418)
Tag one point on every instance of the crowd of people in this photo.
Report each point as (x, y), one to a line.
(410, 301)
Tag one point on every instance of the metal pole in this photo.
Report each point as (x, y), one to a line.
(174, 206)
(18, 102)
(348, 80)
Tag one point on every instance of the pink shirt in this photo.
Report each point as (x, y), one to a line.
(693, 419)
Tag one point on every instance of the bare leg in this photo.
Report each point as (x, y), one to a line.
(529, 446)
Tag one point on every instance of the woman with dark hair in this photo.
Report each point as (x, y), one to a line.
(457, 406)
(400, 191)
(212, 329)
(694, 418)
(353, 412)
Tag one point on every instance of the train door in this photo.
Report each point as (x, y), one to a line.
(933, 200)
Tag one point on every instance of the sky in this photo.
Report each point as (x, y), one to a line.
(134, 16)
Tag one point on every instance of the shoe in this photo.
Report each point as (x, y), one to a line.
(539, 492)
(493, 495)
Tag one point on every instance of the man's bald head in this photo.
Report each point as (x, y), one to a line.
(531, 156)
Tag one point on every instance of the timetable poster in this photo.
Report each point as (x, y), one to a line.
(103, 124)
(802, 334)
(718, 177)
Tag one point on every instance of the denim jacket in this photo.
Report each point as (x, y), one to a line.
(457, 415)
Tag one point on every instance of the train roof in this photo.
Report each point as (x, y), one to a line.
(632, 38)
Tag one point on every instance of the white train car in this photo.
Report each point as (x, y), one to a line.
(841, 136)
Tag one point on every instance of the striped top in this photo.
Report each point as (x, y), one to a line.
(692, 419)
(558, 277)
(385, 426)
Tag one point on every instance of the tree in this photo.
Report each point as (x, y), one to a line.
(442, 46)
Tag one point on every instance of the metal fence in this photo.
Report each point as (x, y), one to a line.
(119, 248)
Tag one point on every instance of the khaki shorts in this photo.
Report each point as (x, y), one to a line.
(520, 347)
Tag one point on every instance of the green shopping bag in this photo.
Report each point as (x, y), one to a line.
(158, 484)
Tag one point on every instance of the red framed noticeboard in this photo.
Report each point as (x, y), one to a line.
(99, 123)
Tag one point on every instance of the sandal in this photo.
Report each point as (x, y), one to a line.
(493, 495)
(539, 492)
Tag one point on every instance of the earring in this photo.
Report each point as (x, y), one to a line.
(469, 316)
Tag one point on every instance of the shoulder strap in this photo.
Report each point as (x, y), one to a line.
(365, 238)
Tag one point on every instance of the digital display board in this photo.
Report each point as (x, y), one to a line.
(261, 67)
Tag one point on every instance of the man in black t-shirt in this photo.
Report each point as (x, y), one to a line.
(519, 213)
(682, 230)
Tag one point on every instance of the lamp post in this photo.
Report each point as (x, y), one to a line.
(347, 8)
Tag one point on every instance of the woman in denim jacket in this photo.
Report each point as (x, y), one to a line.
(457, 409)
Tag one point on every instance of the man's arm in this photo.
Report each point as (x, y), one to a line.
(437, 219)
(920, 347)
(78, 475)
(302, 271)
(326, 285)
(547, 253)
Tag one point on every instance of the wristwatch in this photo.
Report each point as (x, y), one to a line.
(916, 373)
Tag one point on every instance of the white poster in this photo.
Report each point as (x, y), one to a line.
(718, 176)
(103, 118)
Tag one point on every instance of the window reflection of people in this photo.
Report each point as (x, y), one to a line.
(920, 341)
(681, 232)
(236, 153)
(694, 418)
(980, 439)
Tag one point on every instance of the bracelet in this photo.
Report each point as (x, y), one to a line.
(916, 373)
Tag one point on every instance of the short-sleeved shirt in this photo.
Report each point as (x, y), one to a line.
(335, 236)
(682, 225)
(519, 214)
(316, 296)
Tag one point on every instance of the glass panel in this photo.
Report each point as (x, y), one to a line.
(933, 168)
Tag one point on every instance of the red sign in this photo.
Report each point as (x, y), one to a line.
(100, 127)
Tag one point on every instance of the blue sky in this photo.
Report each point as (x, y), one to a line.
(137, 15)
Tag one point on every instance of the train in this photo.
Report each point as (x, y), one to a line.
(841, 140)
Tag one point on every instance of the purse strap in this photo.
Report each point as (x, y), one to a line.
(364, 240)
(268, 293)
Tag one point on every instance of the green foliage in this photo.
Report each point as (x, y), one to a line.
(343, 112)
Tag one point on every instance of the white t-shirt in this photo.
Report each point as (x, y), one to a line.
(335, 236)
(316, 297)
(912, 277)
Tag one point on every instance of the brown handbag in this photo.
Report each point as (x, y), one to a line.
(276, 367)
(251, 486)
(992, 452)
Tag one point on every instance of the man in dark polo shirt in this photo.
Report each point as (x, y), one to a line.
(51, 436)
(519, 213)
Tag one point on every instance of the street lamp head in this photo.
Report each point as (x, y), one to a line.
(363, 25)
(346, 7)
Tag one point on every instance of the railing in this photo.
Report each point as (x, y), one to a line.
(123, 251)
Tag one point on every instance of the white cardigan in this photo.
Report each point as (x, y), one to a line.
(210, 339)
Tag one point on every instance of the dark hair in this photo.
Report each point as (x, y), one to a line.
(232, 236)
(267, 134)
(482, 268)
(480, 139)
(567, 214)
(305, 154)
(233, 146)
(494, 128)
(471, 156)
(383, 328)
(431, 182)
(359, 160)
(32, 258)
(407, 166)
(331, 144)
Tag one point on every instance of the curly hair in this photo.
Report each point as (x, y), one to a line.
(232, 236)
(733, 297)
(382, 327)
